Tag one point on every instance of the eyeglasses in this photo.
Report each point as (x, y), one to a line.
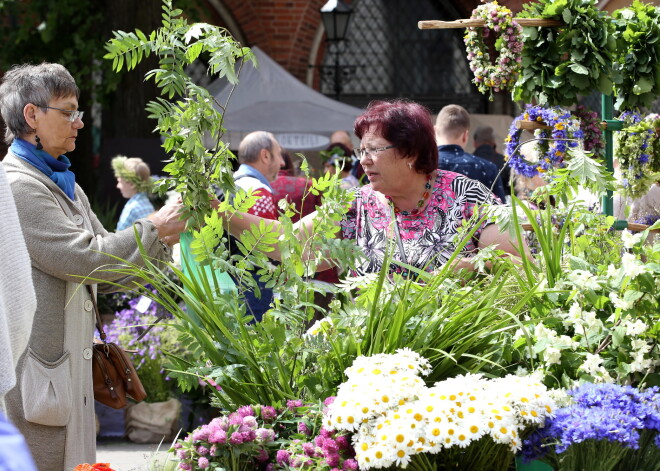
(73, 114)
(362, 153)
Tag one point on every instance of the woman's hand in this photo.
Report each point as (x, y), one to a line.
(169, 223)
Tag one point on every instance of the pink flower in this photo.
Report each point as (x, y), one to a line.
(265, 435)
(245, 411)
(263, 456)
(202, 463)
(350, 465)
(218, 436)
(236, 438)
(282, 457)
(303, 428)
(294, 403)
(202, 450)
(268, 413)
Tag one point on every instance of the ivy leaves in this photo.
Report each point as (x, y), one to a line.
(559, 64)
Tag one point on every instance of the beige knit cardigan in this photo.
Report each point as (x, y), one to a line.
(65, 244)
(17, 300)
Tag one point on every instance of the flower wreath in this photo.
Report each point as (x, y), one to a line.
(490, 77)
(634, 148)
(593, 133)
(551, 152)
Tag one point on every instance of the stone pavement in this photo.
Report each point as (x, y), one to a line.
(123, 455)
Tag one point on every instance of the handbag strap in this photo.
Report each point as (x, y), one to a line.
(99, 323)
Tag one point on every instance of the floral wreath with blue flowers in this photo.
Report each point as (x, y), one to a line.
(635, 148)
(490, 77)
(553, 144)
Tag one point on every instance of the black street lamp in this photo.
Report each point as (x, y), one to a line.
(336, 16)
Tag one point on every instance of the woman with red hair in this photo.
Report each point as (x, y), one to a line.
(408, 200)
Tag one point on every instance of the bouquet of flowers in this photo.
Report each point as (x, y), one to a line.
(607, 427)
(235, 442)
(467, 422)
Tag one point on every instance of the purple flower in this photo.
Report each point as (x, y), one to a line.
(202, 463)
(185, 466)
(202, 450)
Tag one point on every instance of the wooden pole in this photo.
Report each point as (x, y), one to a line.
(534, 125)
(477, 23)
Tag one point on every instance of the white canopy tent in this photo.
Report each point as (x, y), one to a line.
(268, 98)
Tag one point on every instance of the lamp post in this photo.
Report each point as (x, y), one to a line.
(336, 16)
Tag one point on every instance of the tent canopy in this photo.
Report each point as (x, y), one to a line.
(268, 98)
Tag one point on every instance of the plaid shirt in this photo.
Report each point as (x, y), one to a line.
(137, 207)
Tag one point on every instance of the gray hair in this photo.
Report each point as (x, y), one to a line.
(484, 134)
(36, 84)
(251, 145)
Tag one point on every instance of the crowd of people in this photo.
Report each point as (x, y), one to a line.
(414, 186)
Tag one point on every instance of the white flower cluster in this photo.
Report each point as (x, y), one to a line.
(415, 419)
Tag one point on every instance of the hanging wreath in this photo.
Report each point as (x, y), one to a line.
(502, 75)
(562, 64)
(551, 153)
(593, 133)
(634, 149)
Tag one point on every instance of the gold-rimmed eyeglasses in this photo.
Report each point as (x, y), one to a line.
(362, 153)
(73, 114)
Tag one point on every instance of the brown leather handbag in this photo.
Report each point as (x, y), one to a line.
(113, 373)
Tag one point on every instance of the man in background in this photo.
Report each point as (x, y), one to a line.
(452, 128)
(486, 148)
(260, 156)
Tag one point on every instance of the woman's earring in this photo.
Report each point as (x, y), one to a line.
(410, 165)
(39, 146)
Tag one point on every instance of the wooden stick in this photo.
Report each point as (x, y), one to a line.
(476, 23)
(533, 125)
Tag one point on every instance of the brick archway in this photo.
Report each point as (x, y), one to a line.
(285, 30)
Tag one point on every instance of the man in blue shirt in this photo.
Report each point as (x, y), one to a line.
(452, 128)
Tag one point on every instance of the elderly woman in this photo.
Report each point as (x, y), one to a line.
(408, 200)
(134, 182)
(65, 241)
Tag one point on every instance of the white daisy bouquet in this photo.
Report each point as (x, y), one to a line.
(467, 422)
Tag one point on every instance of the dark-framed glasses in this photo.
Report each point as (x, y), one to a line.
(73, 114)
(362, 153)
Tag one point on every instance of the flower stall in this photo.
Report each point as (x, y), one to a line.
(537, 360)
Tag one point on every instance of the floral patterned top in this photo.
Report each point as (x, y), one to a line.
(427, 238)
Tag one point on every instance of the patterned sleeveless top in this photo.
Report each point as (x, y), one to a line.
(428, 238)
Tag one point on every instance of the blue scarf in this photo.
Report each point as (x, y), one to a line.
(55, 169)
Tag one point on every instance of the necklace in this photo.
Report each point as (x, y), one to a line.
(420, 203)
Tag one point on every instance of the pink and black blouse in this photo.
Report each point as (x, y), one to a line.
(428, 238)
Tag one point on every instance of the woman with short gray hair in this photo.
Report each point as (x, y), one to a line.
(53, 401)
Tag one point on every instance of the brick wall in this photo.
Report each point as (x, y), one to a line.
(284, 29)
